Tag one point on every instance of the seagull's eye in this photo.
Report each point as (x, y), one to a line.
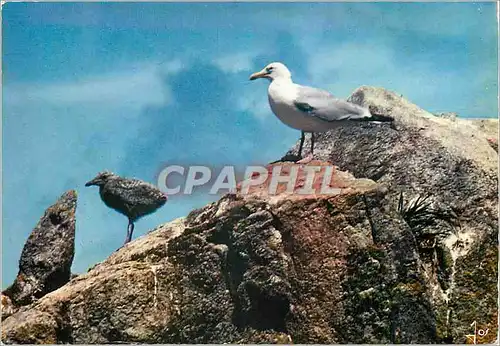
(269, 69)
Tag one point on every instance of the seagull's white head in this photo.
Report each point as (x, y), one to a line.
(273, 71)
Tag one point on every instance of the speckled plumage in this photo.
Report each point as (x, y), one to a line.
(131, 197)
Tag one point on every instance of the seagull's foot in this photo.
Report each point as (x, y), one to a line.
(121, 247)
(288, 158)
(305, 160)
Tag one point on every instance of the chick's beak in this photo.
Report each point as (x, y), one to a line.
(92, 182)
(260, 74)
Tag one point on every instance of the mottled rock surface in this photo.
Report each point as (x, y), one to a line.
(350, 267)
(246, 270)
(45, 263)
(312, 179)
(7, 307)
(453, 161)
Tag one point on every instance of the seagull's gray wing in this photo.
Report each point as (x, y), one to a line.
(322, 104)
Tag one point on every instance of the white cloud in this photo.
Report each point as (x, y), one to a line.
(254, 100)
(251, 98)
(132, 88)
(426, 20)
(342, 68)
(236, 62)
(349, 61)
(174, 66)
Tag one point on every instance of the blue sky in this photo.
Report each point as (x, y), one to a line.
(130, 87)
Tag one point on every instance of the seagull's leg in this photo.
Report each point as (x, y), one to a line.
(312, 143)
(302, 138)
(130, 230)
(309, 157)
(293, 157)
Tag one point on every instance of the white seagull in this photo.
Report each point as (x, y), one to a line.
(309, 109)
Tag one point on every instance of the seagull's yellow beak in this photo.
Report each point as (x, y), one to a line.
(260, 74)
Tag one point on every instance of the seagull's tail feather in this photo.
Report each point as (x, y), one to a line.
(370, 115)
(377, 117)
(373, 118)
